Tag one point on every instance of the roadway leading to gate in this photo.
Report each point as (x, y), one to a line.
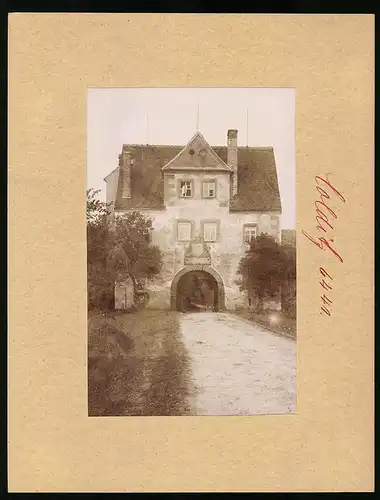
(238, 368)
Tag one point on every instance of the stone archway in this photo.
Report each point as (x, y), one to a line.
(220, 292)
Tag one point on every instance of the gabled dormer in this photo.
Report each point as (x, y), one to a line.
(197, 155)
(197, 173)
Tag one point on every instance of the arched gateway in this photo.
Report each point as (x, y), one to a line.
(197, 287)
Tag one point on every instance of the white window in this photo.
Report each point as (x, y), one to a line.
(210, 230)
(184, 231)
(208, 189)
(185, 189)
(250, 231)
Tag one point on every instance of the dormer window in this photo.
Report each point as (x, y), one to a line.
(208, 189)
(185, 189)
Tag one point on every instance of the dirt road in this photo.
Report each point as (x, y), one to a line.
(238, 368)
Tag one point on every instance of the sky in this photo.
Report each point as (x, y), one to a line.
(170, 116)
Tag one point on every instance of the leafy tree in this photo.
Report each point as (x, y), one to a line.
(97, 210)
(100, 280)
(118, 250)
(266, 266)
(133, 254)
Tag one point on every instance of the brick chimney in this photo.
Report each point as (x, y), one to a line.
(125, 162)
(232, 157)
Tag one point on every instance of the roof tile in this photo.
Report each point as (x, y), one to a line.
(257, 178)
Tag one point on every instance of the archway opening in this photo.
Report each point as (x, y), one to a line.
(199, 282)
(197, 291)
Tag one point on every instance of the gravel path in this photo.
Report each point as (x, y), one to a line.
(238, 368)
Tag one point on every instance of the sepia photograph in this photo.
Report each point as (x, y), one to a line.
(191, 251)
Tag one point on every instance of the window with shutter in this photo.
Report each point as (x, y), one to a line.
(208, 189)
(210, 230)
(184, 231)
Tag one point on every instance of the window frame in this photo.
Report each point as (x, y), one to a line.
(182, 221)
(192, 188)
(249, 225)
(208, 182)
(210, 221)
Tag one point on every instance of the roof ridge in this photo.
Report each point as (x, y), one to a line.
(183, 146)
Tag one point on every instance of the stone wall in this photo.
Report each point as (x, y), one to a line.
(225, 253)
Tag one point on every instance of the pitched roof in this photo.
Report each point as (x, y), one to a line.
(257, 188)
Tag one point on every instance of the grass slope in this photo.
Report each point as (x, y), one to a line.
(276, 321)
(137, 364)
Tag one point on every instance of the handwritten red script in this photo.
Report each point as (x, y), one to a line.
(325, 215)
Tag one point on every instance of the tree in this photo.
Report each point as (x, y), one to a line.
(100, 280)
(266, 266)
(96, 210)
(133, 254)
(118, 250)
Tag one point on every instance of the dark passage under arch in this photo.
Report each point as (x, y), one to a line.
(197, 288)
